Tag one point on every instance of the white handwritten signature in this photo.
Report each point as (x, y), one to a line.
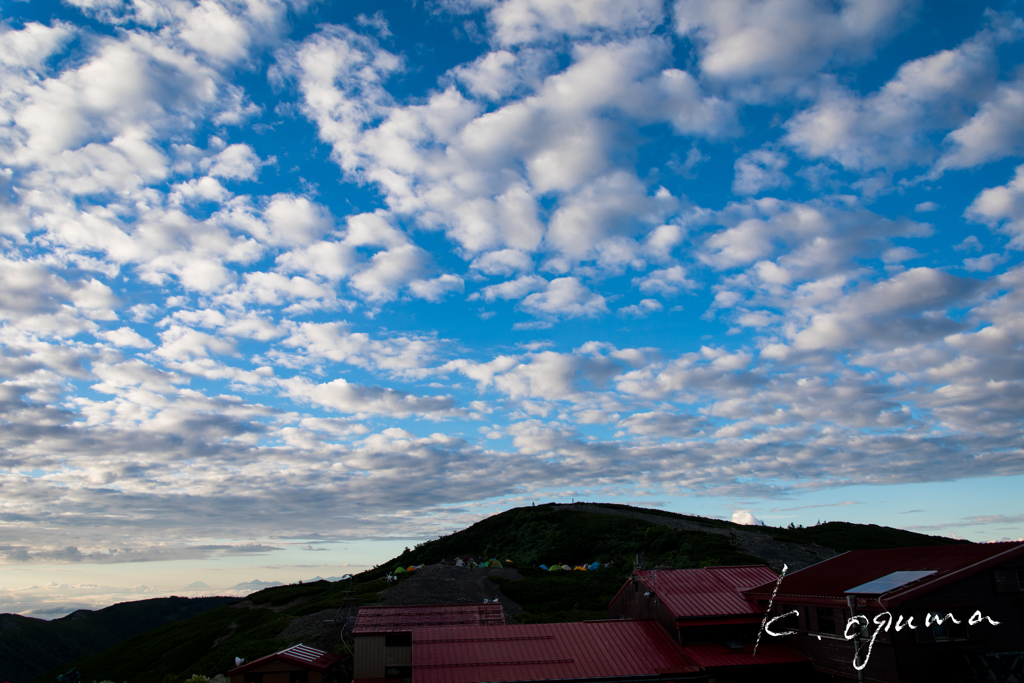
(859, 622)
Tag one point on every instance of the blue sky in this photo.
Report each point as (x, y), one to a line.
(291, 276)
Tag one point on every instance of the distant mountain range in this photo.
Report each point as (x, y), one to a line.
(255, 585)
(568, 534)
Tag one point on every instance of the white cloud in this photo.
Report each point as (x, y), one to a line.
(1002, 208)
(984, 264)
(969, 244)
(642, 309)
(179, 343)
(224, 32)
(447, 163)
(437, 288)
(746, 518)
(236, 162)
(281, 220)
(993, 133)
(900, 309)
(496, 75)
(660, 424)
(335, 342)
(819, 239)
(779, 42)
(667, 281)
(377, 21)
(512, 289)
(899, 255)
(33, 44)
(126, 336)
(522, 21)
(760, 170)
(503, 262)
(889, 128)
(346, 397)
(565, 297)
(613, 205)
(389, 271)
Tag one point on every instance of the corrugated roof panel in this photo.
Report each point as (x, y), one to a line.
(405, 618)
(711, 655)
(523, 652)
(828, 580)
(310, 657)
(711, 591)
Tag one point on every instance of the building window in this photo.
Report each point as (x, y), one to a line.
(826, 620)
(397, 639)
(1020, 579)
(790, 621)
(958, 631)
(948, 629)
(253, 677)
(297, 677)
(940, 628)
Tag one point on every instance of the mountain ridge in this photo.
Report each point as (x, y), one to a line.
(616, 535)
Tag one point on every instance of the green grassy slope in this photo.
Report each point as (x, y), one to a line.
(29, 647)
(207, 644)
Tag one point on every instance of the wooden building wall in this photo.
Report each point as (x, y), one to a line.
(278, 672)
(369, 656)
(631, 603)
(378, 655)
(994, 592)
(828, 649)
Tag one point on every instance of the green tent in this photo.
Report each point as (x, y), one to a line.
(399, 570)
(493, 563)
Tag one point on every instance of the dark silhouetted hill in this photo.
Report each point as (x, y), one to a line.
(31, 647)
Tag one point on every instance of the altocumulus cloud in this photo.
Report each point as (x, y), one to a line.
(279, 256)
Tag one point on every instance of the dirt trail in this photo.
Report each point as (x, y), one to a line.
(438, 584)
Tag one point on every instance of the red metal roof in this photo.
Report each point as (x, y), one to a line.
(707, 592)
(826, 581)
(710, 655)
(303, 655)
(720, 621)
(535, 652)
(404, 618)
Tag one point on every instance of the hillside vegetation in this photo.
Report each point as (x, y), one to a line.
(529, 536)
